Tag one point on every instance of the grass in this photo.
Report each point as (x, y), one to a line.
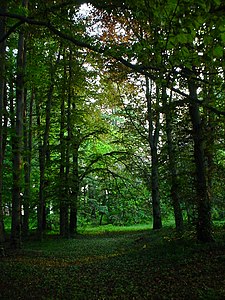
(108, 264)
(113, 229)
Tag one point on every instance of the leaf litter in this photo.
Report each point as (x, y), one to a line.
(144, 265)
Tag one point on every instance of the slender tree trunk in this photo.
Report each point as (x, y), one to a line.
(204, 226)
(63, 188)
(67, 187)
(153, 142)
(27, 163)
(172, 165)
(72, 148)
(5, 122)
(3, 8)
(67, 174)
(209, 123)
(68, 150)
(75, 192)
(18, 144)
(43, 148)
(62, 173)
(42, 165)
(63, 184)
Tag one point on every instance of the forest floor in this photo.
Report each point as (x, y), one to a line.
(129, 265)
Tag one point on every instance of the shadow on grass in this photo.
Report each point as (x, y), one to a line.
(127, 265)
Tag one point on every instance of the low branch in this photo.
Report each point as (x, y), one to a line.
(97, 159)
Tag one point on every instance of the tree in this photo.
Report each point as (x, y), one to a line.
(3, 7)
(160, 41)
(172, 161)
(153, 142)
(43, 148)
(28, 120)
(64, 205)
(204, 228)
(17, 143)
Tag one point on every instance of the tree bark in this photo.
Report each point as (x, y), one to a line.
(74, 141)
(27, 162)
(15, 239)
(72, 146)
(43, 148)
(42, 164)
(203, 226)
(153, 142)
(3, 8)
(64, 222)
(172, 164)
(210, 125)
(75, 192)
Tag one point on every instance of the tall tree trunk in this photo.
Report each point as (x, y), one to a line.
(67, 174)
(209, 123)
(43, 148)
(172, 164)
(153, 142)
(18, 144)
(5, 122)
(73, 142)
(75, 192)
(63, 184)
(42, 164)
(67, 184)
(27, 162)
(204, 226)
(3, 8)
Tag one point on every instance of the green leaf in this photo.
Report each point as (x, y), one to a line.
(222, 27)
(185, 52)
(182, 38)
(218, 51)
(222, 36)
(217, 2)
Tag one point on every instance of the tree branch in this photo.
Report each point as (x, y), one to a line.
(10, 31)
(99, 49)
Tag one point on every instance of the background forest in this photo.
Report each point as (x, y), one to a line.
(112, 112)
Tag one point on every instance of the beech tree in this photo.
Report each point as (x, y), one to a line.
(174, 190)
(153, 133)
(3, 7)
(17, 141)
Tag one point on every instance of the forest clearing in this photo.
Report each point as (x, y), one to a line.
(112, 115)
(142, 264)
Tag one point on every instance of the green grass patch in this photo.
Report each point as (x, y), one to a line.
(95, 230)
(109, 264)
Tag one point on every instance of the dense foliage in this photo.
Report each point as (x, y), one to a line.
(111, 114)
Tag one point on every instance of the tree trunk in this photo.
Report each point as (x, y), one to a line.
(43, 148)
(172, 165)
(3, 8)
(210, 125)
(18, 145)
(63, 195)
(74, 194)
(72, 148)
(42, 165)
(204, 226)
(153, 142)
(27, 164)
(157, 222)
(63, 184)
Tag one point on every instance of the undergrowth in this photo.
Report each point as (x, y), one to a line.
(125, 264)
